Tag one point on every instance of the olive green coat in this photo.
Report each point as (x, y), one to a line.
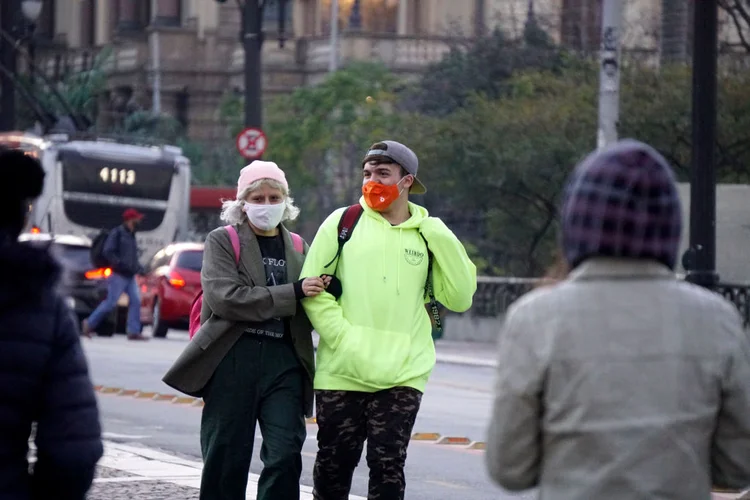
(235, 295)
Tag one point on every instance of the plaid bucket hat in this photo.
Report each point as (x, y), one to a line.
(622, 201)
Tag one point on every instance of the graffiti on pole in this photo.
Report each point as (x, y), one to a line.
(609, 59)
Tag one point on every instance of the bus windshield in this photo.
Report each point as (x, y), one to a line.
(97, 190)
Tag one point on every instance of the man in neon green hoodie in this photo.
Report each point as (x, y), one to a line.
(376, 350)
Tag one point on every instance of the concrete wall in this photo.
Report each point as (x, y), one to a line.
(732, 230)
(469, 328)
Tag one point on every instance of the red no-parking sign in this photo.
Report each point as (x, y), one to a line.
(252, 143)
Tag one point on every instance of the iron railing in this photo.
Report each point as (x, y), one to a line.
(494, 295)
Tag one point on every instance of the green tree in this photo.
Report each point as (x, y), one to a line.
(318, 136)
(656, 108)
(496, 167)
(79, 91)
(482, 66)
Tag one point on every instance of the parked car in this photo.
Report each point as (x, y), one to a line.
(169, 286)
(83, 285)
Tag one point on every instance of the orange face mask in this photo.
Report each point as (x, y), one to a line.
(379, 196)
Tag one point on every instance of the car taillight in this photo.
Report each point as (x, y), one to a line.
(98, 274)
(176, 280)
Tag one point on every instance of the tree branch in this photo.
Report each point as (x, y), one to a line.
(739, 14)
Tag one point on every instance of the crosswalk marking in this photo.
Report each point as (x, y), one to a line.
(146, 464)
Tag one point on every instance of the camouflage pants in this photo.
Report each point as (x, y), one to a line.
(345, 419)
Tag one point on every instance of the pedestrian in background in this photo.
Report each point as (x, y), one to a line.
(121, 253)
(621, 381)
(252, 359)
(376, 350)
(43, 372)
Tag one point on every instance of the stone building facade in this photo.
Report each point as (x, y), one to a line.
(201, 58)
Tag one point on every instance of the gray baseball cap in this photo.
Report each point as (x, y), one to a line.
(396, 152)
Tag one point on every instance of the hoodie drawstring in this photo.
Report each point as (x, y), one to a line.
(398, 260)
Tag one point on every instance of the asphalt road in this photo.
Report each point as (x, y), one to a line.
(456, 404)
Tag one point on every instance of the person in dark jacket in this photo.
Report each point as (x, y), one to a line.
(121, 251)
(43, 372)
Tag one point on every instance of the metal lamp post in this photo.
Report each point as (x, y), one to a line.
(700, 259)
(13, 25)
(252, 41)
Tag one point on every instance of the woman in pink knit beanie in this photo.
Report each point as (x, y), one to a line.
(254, 347)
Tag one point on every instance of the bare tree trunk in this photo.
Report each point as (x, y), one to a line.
(675, 17)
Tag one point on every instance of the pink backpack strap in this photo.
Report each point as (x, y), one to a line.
(235, 239)
(299, 244)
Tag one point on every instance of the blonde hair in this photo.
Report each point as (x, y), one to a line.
(232, 210)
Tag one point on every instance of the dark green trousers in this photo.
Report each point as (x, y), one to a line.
(259, 380)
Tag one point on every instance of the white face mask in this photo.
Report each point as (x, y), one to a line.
(265, 217)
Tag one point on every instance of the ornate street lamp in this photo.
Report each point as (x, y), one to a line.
(31, 9)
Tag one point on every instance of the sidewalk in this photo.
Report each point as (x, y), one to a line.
(130, 472)
(458, 352)
(466, 353)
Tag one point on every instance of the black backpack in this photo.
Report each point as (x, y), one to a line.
(348, 221)
(97, 249)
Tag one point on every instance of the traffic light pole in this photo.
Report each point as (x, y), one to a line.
(9, 21)
(702, 252)
(252, 39)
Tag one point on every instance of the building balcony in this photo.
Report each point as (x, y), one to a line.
(310, 56)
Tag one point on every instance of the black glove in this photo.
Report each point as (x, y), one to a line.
(334, 288)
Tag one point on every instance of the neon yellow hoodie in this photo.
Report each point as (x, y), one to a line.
(378, 334)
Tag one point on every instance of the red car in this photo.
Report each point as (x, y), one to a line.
(171, 282)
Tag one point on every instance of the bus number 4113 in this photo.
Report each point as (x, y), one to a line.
(117, 176)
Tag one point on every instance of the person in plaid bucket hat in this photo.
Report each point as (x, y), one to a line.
(622, 202)
(620, 380)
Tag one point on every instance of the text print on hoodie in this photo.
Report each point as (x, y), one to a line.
(378, 334)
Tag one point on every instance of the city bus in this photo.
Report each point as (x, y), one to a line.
(205, 209)
(90, 182)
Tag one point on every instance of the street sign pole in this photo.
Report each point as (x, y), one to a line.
(252, 39)
(251, 143)
(609, 73)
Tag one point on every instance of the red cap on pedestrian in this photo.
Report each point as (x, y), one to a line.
(132, 213)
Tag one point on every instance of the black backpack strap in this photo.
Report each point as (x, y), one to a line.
(430, 292)
(348, 221)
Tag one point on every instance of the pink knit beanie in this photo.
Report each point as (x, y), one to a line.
(258, 170)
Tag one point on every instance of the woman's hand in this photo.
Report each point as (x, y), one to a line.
(313, 286)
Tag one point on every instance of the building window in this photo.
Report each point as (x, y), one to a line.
(581, 24)
(415, 21)
(376, 16)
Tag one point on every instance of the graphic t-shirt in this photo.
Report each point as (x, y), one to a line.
(274, 261)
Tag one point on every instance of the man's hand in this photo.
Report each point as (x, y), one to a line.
(333, 285)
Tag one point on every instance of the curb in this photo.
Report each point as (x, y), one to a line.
(718, 494)
(460, 442)
(452, 441)
(454, 359)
